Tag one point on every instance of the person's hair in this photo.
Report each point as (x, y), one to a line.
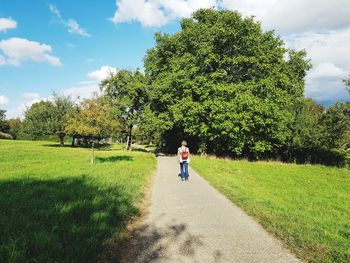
(184, 143)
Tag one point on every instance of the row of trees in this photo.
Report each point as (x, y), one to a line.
(221, 83)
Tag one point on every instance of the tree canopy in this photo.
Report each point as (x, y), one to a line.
(225, 84)
(127, 93)
(48, 117)
(92, 121)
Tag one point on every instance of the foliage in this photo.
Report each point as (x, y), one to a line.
(55, 207)
(127, 93)
(5, 136)
(4, 125)
(39, 120)
(93, 121)
(15, 127)
(225, 85)
(337, 121)
(48, 118)
(305, 206)
(64, 109)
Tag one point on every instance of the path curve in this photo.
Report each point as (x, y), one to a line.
(192, 222)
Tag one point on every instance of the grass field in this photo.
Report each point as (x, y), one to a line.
(308, 207)
(57, 207)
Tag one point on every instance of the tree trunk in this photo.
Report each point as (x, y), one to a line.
(128, 147)
(61, 139)
(93, 153)
(73, 140)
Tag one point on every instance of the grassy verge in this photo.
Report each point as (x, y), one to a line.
(306, 206)
(57, 207)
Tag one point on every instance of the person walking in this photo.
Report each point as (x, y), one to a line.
(183, 153)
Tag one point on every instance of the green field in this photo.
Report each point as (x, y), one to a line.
(306, 206)
(57, 207)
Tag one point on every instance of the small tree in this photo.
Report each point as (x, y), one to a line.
(93, 121)
(127, 92)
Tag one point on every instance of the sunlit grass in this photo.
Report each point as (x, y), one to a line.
(306, 206)
(57, 207)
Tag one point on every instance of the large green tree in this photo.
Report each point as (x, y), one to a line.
(64, 108)
(39, 120)
(48, 117)
(225, 85)
(127, 93)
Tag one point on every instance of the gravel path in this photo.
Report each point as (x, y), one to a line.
(192, 222)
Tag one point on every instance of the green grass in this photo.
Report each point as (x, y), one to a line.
(306, 206)
(57, 207)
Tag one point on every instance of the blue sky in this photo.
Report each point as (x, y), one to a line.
(69, 46)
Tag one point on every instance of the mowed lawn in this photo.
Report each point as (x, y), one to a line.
(57, 207)
(306, 206)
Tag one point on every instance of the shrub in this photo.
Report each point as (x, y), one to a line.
(5, 136)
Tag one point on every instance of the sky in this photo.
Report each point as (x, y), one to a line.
(69, 46)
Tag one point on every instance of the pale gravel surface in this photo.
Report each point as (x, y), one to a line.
(192, 222)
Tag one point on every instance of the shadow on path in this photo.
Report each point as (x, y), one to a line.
(147, 243)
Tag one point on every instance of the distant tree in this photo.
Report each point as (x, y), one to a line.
(39, 120)
(127, 93)
(347, 83)
(15, 127)
(48, 117)
(4, 125)
(225, 85)
(94, 121)
(337, 122)
(64, 107)
(309, 137)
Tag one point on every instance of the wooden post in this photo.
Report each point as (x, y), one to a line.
(127, 143)
(93, 152)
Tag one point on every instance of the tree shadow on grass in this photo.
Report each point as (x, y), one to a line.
(151, 243)
(63, 220)
(117, 158)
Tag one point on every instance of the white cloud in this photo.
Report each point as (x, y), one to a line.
(54, 10)
(294, 16)
(29, 96)
(72, 25)
(7, 23)
(27, 99)
(327, 70)
(15, 50)
(82, 91)
(86, 88)
(156, 13)
(102, 73)
(3, 100)
(330, 55)
(283, 15)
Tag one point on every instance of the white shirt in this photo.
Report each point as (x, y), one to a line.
(180, 150)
